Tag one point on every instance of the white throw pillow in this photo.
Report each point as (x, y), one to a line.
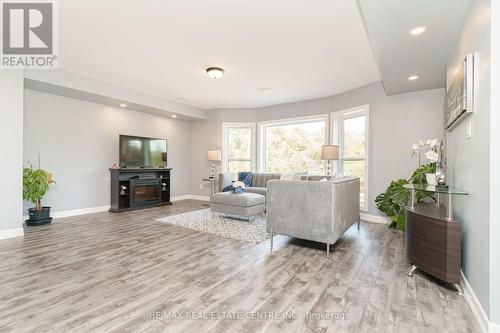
(299, 175)
(287, 176)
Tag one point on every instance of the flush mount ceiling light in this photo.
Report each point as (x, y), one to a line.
(413, 77)
(417, 30)
(174, 116)
(215, 72)
(123, 105)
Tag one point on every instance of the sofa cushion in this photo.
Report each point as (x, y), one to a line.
(260, 179)
(258, 190)
(242, 200)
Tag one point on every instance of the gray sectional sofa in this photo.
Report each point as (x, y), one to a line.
(259, 181)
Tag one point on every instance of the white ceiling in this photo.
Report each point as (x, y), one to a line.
(399, 55)
(298, 48)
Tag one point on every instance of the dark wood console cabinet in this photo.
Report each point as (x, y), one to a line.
(433, 242)
(433, 235)
(133, 189)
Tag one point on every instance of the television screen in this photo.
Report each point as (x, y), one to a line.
(139, 152)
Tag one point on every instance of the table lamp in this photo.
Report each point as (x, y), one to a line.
(329, 153)
(214, 155)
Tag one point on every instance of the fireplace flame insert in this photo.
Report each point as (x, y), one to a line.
(145, 192)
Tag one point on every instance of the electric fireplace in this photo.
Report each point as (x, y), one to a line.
(145, 192)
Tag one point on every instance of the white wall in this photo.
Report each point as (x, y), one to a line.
(78, 142)
(395, 123)
(468, 159)
(11, 157)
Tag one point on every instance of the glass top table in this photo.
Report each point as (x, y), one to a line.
(436, 189)
(448, 190)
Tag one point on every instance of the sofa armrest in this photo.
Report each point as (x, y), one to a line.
(225, 179)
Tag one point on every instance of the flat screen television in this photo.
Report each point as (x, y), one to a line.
(140, 152)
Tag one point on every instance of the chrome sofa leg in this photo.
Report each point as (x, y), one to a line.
(411, 270)
(359, 220)
(460, 290)
(327, 250)
(272, 236)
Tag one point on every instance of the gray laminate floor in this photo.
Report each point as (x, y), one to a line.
(128, 273)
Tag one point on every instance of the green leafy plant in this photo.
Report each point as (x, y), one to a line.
(36, 183)
(394, 200)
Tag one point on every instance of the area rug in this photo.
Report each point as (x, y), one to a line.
(253, 231)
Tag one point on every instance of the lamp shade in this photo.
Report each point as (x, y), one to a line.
(214, 155)
(329, 152)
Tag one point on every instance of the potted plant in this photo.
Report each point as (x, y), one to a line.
(394, 200)
(36, 183)
(431, 146)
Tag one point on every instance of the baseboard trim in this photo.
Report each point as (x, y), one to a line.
(375, 218)
(100, 209)
(200, 197)
(180, 197)
(190, 197)
(76, 212)
(477, 310)
(11, 233)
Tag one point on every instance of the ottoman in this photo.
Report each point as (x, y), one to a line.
(242, 205)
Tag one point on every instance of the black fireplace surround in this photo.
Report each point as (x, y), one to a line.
(139, 188)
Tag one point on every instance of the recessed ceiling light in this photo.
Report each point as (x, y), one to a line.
(413, 77)
(174, 116)
(215, 72)
(123, 105)
(417, 31)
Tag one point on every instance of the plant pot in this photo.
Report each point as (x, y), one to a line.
(431, 178)
(39, 216)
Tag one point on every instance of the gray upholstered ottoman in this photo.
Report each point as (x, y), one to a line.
(242, 205)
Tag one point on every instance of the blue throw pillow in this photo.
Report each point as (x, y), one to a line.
(245, 177)
(228, 188)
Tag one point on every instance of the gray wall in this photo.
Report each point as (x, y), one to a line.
(11, 157)
(78, 142)
(207, 134)
(495, 165)
(469, 158)
(395, 123)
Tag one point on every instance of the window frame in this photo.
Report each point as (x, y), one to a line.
(337, 119)
(253, 139)
(262, 125)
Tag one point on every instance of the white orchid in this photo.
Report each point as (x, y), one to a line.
(432, 146)
(432, 143)
(432, 156)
